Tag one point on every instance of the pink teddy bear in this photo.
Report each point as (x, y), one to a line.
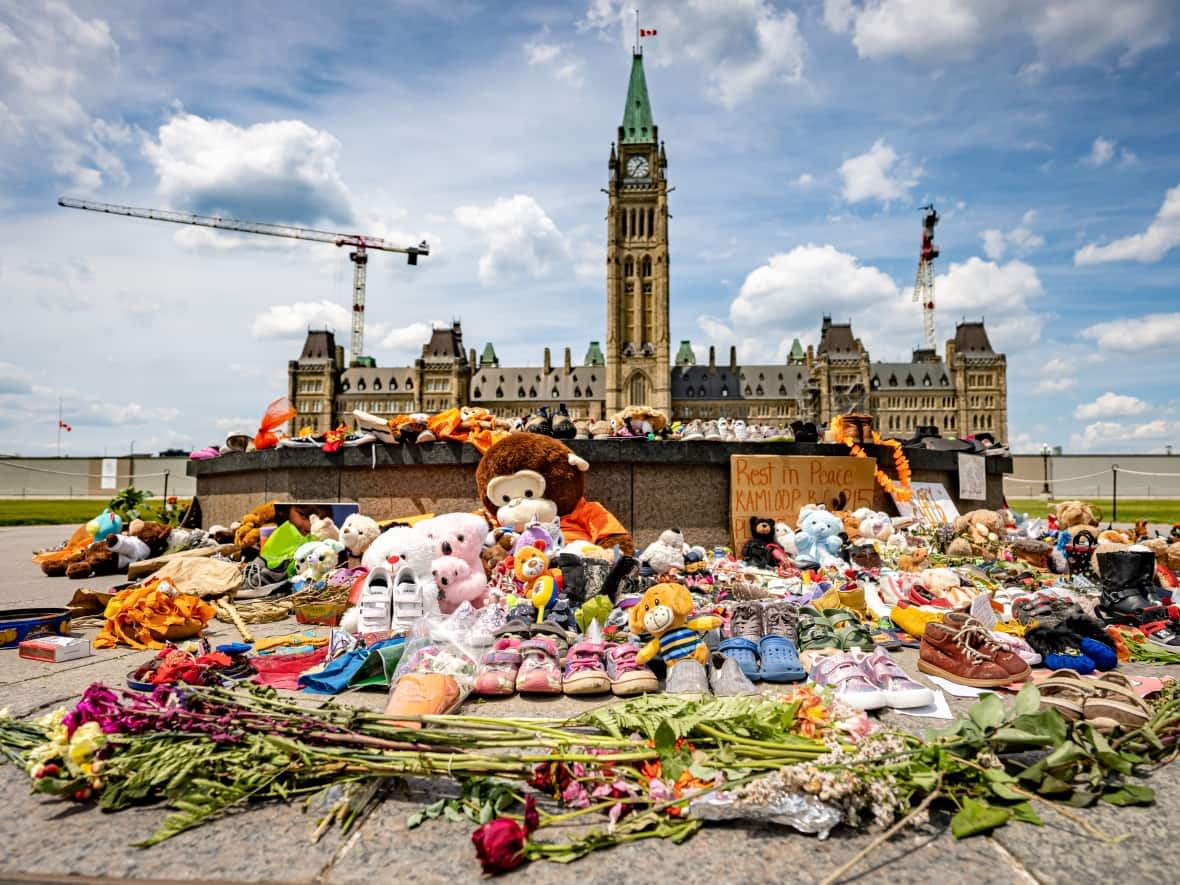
(456, 540)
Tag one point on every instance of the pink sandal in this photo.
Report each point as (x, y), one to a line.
(498, 670)
(584, 672)
(539, 672)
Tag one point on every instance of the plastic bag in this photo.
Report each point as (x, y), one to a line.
(280, 547)
(277, 414)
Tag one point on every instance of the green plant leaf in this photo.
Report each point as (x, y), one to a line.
(976, 817)
(1024, 812)
(1028, 701)
(415, 820)
(1005, 791)
(1009, 735)
(1130, 794)
(987, 712)
(1067, 754)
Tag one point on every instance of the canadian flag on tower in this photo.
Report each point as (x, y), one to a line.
(644, 32)
(64, 426)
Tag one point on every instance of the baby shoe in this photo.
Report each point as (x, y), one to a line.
(498, 670)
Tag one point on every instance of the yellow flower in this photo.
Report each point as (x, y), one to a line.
(84, 744)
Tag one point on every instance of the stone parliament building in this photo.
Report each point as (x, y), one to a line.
(961, 392)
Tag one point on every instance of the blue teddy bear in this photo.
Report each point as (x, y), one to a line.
(818, 538)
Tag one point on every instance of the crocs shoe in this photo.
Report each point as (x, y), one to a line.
(498, 669)
(539, 671)
(744, 652)
(897, 688)
(584, 672)
(780, 660)
(848, 682)
(627, 677)
(376, 604)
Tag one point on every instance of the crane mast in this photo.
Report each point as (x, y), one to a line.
(359, 256)
(924, 284)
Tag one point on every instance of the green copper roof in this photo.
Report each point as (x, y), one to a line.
(638, 127)
(796, 350)
(685, 355)
(488, 358)
(594, 355)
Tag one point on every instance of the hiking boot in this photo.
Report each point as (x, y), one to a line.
(982, 640)
(948, 653)
(782, 619)
(747, 622)
(1126, 588)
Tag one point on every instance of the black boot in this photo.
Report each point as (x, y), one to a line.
(1126, 588)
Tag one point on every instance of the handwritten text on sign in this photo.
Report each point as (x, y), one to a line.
(779, 485)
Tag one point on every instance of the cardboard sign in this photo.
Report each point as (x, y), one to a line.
(930, 504)
(972, 478)
(778, 486)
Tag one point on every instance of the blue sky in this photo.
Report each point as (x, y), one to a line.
(801, 138)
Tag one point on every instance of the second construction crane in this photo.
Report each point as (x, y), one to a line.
(359, 256)
(924, 284)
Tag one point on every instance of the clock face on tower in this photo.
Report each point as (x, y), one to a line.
(637, 167)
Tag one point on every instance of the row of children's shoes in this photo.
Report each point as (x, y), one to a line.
(533, 666)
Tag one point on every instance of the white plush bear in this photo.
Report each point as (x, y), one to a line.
(818, 539)
(356, 534)
(397, 545)
(784, 536)
(665, 553)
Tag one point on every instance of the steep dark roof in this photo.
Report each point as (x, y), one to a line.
(759, 382)
(836, 339)
(445, 343)
(319, 346)
(972, 338)
(907, 376)
(506, 383)
(376, 380)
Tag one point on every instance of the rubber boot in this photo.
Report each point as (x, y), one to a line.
(1127, 587)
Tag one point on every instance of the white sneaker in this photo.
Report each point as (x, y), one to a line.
(375, 603)
(408, 605)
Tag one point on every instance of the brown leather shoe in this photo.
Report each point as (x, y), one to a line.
(981, 639)
(948, 652)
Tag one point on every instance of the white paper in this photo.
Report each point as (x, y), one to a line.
(972, 477)
(940, 709)
(110, 471)
(959, 691)
(930, 504)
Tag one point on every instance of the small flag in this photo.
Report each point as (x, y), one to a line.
(64, 426)
(643, 32)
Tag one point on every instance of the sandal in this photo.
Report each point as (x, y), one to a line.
(1066, 692)
(849, 632)
(1114, 703)
(499, 668)
(539, 671)
(815, 631)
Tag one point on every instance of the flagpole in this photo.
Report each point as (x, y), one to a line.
(638, 48)
(59, 427)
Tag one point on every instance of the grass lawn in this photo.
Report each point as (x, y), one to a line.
(1130, 509)
(49, 511)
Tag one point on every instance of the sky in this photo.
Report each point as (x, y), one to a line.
(801, 137)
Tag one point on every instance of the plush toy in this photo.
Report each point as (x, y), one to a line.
(402, 546)
(247, 532)
(663, 613)
(324, 529)
(874, 525)
(959, 547)
(1071, 514)
(129, 549)
(86, 562)
(104, 525)
(357, 533)
(784, 536)
(538, 582)
(314, 560)
(759, 550)
(818, 538)
(154, 534)
(456, 541)
(527, 476)
(915, 560)
(938, 580)
(497, 547)
(666, 553)
(983, 529)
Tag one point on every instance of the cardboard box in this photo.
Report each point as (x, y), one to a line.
(55, 649)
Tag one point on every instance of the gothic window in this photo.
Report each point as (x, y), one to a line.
(758, 390)
(409, 384)
(926, 380)
(392, 385)
(556, 393)
(701, 390)
(875, 383)
(893, 381)
(532, 393)
(475, 394)
(638, 390)
(651, 222)
(909, 380)
(520, 393)
(346, 386)
(376, 383)
(499, 393)
(360, 385)
(646, 271)
(747, 390)
(689, 392)
(628, 267)
(592, 379)
(577, 391)
(724, 392)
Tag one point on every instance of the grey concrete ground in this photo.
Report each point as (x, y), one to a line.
(44, 840)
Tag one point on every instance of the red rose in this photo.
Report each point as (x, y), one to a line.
(499, 845)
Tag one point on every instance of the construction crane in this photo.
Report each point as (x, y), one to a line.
(359, 256)
(924, 285)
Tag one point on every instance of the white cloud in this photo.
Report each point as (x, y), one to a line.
(1155, 331)
(541, 51)
(938, 31)
(805, 180)
(410, 337)
(1020, 239)
(14, 380)
(293, 320)
(52, 62)
(1101, 152)
(1111, 405)
(1055, 384)
(1126, 437)
(520, 240)
(282, 171)
(743, 46)
(1128, 157)
(878, 174)
(1161, 236)
(1004, 293)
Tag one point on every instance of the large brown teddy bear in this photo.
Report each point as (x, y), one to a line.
(1075, 515)
(981, 528)
(154, 534)
(97, 559)
(246, 534)
(526, 476)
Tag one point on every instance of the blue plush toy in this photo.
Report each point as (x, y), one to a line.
(818, 538)
(104, 525)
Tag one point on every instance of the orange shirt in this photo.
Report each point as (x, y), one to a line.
(590, 521)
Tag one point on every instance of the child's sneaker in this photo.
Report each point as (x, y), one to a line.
(584, 673)
(627, 677)
(539, 670)
(499, 668)
(407, 603)
(376, 604)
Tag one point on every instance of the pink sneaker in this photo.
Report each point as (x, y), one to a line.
(584, 673)
(498, 670)
(539, 671)
(848, 682)
(628, 678)
(897, 689)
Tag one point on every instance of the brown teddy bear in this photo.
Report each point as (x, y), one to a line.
(1077, 514)
(663, 613)
(154, 534)
(983, 529)
(97, 559)
(526, 477)
(247, 532)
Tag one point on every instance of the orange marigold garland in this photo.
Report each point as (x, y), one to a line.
(901, 489)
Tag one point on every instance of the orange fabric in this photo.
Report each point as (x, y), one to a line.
(590, 521)
(277, 414)
(78, 540)
(142, 617)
